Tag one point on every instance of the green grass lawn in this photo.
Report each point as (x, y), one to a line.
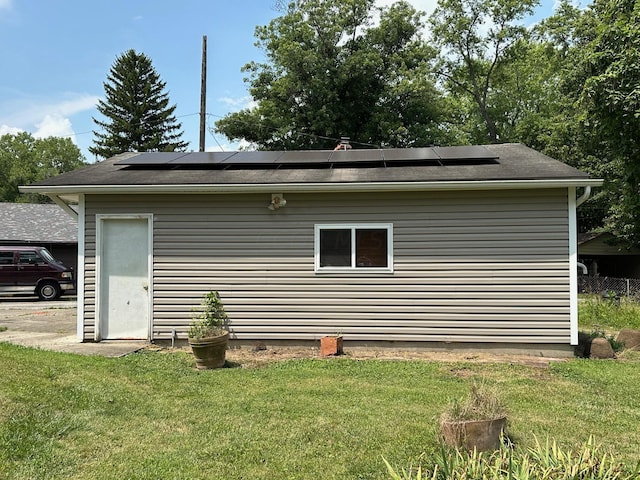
(152, 415)
(594, 313)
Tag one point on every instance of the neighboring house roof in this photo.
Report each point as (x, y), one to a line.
(602, 243)
(588, 236)
(488, 166)
(36, 223)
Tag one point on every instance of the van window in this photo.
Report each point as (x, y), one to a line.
(29, 257)
(6, 258)
(47, 256)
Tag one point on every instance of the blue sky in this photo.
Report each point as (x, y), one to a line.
(55, 56)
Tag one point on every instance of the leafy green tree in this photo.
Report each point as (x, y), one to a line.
(25, 159)
(559, 132)
(601, 82)
(479, 41)
(332, 71)
(136, 106)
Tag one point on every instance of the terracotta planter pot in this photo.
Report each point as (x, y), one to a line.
(483, 435)
(331, 345)
(210, 352)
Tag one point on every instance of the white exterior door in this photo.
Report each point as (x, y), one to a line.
(124, 259)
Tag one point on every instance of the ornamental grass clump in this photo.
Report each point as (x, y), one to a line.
(210, 320)
(546, 461)
(482, 403)
(476, 423)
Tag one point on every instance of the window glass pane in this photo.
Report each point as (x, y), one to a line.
(6, 258)
(371, 247)
(47, 256)
(29, 257)
(335, 248)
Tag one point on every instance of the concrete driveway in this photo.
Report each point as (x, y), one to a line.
(52, 326)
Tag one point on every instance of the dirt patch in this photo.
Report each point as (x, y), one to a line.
(246, 357)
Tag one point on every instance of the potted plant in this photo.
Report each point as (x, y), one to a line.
(208, 333)
(331, 345)
(476, 422)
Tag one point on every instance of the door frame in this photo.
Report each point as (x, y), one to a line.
(100, 219)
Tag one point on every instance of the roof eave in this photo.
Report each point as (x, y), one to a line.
(312, 187)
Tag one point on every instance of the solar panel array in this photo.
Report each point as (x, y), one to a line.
(436, 156)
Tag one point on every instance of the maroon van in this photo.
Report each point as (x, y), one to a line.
(29, 270)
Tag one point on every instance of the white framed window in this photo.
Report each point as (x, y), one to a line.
(354, 247)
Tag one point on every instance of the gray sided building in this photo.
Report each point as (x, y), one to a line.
(431, 247)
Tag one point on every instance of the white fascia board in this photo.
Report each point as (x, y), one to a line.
(313, 187)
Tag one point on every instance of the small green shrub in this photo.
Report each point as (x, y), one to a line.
(210, 319)
(545, 461)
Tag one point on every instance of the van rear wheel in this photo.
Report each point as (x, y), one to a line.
(48, 291)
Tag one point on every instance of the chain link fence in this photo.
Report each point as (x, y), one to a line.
(605, 285)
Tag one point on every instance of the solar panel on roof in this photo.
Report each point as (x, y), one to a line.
(305, 156)
(356, 158)
(152, 158)
(202, 158)
(258, 157)
(410, 154)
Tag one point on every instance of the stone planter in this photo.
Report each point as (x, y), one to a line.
(481, 435)
(210, 352)
(331, 345)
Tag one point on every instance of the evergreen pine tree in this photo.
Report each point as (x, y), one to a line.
(139, 118)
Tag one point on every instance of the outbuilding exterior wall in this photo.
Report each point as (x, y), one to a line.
(469, 266)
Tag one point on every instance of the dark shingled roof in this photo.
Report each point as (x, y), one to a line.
(434, 164)
(36, 223)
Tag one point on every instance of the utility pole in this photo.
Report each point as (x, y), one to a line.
(203, 93)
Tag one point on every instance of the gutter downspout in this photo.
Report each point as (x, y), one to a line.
(584, 197)
(574, 203)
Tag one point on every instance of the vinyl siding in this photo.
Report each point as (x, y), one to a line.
(483, 266)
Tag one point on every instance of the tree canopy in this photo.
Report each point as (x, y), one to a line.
(606, 77)
(331, 72)
(568, 86)
(477, 41)
(136, 106)
(25, 159)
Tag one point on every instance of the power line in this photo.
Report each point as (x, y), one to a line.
(260, 124)
(133, 124)
(311, 135)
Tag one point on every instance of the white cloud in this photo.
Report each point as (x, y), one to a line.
(231, 146)
(5, 4)
(6, 129)
(74, 105)
(54, 126)
(239, 103)
(44, 118)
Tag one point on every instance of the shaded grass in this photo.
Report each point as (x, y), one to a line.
(151, 415)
